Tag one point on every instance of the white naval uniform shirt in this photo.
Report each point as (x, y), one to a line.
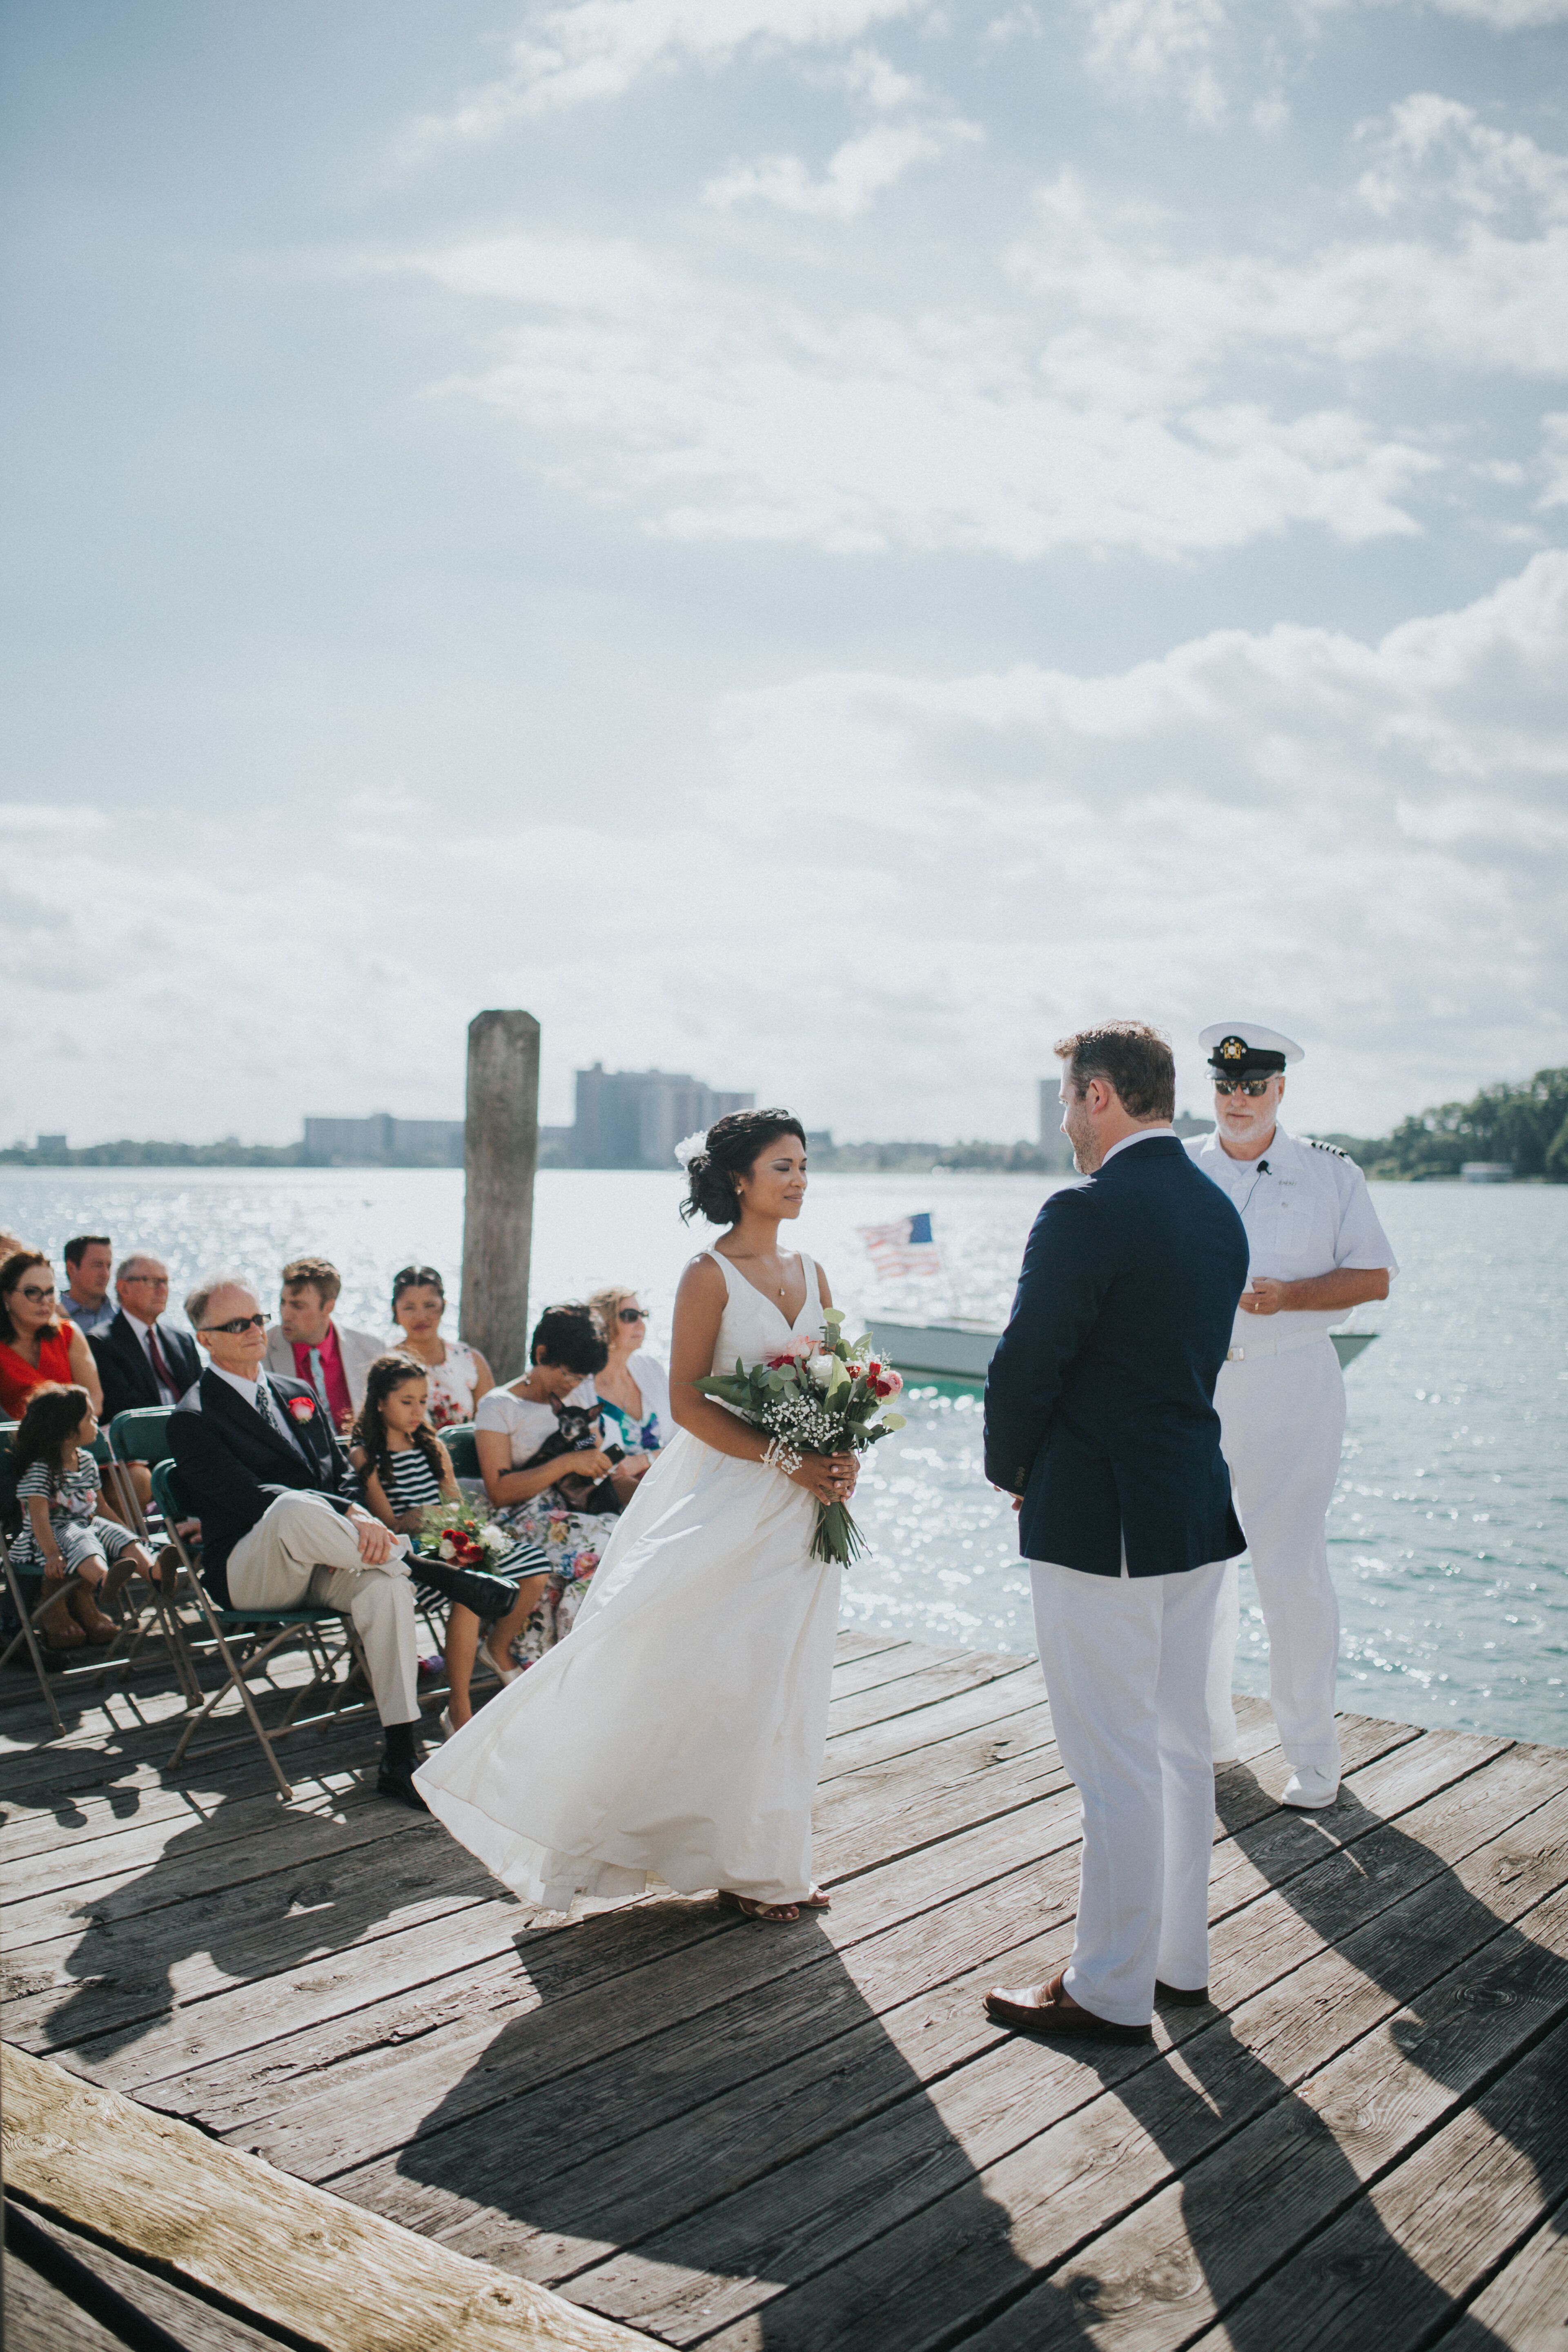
(1307, 1213)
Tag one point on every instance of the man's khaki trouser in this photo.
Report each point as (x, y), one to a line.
(301, 1553)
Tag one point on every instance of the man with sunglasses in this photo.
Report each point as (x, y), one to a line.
(1316, 1251)
(280, 1529)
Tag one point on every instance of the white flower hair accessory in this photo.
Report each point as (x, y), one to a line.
(689, 1146)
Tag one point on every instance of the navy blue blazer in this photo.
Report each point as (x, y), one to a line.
(232, 1465)
(1099, 1400)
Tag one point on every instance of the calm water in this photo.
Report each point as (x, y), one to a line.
(1449, 1529)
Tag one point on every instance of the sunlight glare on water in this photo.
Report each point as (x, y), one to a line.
(1448, 1534)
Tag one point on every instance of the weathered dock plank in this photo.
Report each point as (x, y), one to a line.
(792, 2140)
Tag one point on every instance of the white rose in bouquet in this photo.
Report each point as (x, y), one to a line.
(821, 1369)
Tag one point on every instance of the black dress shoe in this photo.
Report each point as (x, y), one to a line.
(489, 1597)
(396, 1782)
(1182, 1996)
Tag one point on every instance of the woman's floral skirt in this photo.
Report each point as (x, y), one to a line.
(573, 1542)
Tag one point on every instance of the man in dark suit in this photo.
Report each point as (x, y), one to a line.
(261, 1465)
(1100, 1421)
(141, 1359)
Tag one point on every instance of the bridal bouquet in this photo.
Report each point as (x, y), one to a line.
(816, 1396)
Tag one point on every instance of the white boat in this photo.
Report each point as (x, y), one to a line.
(960, 1348)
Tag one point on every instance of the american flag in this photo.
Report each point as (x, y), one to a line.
(904, 1247)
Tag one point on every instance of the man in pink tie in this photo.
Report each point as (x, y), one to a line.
(308, 1344)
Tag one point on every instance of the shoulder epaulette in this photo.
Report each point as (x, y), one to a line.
(1334, 1148)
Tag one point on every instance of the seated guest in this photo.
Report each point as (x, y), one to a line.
(306, 1344)
(39, 1347)
(142, 1360)
(459, 1375)
(405, 1468)
(64, 1533)
(542, 1453)
(264, 1470)
(10, 1244)
(633, 1387)
(88, 1257)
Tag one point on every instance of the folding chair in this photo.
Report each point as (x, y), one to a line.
(459, 1444)
(26, 1617)
(247, 1640)
(141, 1435)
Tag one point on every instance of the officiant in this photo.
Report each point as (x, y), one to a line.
(1316, 1250)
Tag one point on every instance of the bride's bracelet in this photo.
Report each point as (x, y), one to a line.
(777, 1456)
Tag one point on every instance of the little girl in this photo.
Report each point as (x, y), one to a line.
(405, 1468)
(63, 1532)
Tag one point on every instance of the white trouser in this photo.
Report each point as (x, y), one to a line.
(1281, 1420)
(1124, 1660)
(301, 1552)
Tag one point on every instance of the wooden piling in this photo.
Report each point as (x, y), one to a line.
(501, 1154)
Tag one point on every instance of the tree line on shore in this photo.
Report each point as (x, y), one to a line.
(1523, 1126)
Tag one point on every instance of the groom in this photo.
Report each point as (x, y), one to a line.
(1099, 1419)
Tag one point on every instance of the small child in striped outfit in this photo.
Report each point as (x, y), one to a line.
(63, 1533)
(403, 1469)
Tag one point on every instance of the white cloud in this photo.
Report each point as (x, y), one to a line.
(1460, 288)
(728, 415)
(1367, 838)
(858, 171)
(587, 50)
(1554, 459)
(1138, 47)
(1503, 16)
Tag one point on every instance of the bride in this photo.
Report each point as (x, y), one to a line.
(676, 1732)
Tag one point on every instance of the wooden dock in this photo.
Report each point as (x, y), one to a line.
(798, 2139)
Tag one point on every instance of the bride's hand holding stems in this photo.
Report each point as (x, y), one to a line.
(829, 1477)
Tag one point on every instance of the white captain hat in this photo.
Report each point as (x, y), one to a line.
(1243, 1049)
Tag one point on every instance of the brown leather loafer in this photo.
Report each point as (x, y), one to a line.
(1047, 2010)
(1182, 1996)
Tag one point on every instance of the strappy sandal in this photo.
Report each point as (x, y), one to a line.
(815, 1900)
(773, 1915)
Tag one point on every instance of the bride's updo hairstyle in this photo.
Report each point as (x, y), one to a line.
(731, 1148)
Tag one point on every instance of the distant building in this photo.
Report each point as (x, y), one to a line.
(625, 1118)
(635, 1119)
(51, 1143)
(383, 1141)
(1471, 1171)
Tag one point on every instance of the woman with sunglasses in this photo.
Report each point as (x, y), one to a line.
(38, 1345)
(459, 1375)
(634, 1387)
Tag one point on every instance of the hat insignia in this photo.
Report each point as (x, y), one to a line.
(1233, 1049)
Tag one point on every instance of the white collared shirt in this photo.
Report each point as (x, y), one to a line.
(246, 1389)
(1144, 1135)
(1306, 1211)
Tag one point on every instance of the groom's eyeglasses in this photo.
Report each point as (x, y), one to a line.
(238, 1323)
(1241, 1086)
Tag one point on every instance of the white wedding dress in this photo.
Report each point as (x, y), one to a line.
(676, 1732)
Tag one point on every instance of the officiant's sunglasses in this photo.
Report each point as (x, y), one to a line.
(238, 1323)
(633, 1314)
(1242, 1085)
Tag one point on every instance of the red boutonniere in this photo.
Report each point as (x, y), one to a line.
(301, 1409)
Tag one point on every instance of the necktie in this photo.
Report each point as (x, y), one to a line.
(267, 1406)
(319, 1378)
(161, 1372)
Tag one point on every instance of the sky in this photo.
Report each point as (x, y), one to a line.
(817, 542)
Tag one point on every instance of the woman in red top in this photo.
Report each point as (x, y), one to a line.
(36, 1344)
